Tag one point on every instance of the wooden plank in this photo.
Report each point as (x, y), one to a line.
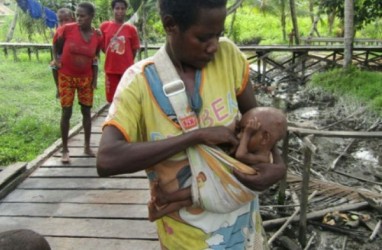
(351, 134)
(9, 172)
(75, 152)
(80, 196)
(84, 183)
(54, 172)
(107, 243)
(97, 228)
(70, 210)
(74, 162)
(78, 140)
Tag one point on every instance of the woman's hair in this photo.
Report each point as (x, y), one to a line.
(88, 7)
(114, 2)
(185, 12)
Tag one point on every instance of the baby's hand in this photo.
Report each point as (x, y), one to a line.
(252, 126)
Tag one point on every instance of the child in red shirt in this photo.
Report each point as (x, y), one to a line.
(120, 44)
(80, 45)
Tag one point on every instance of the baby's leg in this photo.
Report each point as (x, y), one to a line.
(163, 197)
(158, 212)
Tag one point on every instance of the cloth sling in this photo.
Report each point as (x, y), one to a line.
(214, 188)
(114, 36)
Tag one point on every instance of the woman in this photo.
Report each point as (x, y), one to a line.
(120, 45)
(139, 134)
(79, 45)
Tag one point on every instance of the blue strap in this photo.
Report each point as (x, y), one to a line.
(157, 90)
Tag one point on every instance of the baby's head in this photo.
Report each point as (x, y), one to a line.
(273, 125)
(64, 15)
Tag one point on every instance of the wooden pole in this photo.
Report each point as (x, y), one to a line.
(309, 148)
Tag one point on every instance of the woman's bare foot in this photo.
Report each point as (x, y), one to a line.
(89, 151)
(65, 157)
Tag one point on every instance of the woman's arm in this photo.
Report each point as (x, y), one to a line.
(117, 156)
(267, 174)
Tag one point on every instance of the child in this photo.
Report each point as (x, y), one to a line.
(64, 16)
(260, 129)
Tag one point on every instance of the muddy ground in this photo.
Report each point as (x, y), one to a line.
(359, 168)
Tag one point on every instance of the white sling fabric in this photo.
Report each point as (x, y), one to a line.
(214, 188)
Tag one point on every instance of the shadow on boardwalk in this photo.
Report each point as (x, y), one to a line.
(74, 208)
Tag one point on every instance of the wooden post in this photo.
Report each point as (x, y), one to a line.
(14, 54)
(283, 182)
(264, 70)
(309, 148)
(259, 66)
(29, 53)
(37, 55)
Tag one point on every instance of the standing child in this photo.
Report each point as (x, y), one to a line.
(80, 45)
(260, 129)
(120, 45)
(64, 16)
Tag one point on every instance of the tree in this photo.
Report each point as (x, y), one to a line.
(367, 10)
(294, 21)
(349, 32)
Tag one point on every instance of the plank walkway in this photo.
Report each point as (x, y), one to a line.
(75, 209)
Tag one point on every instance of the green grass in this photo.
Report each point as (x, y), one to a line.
(364, 86)
(29, 112)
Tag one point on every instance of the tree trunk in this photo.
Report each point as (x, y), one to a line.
(311, 10)
(349, 32)
(283, 20)
(231, 9)
(294, 21)
(12, 27)
(331, 19)
(144, 25)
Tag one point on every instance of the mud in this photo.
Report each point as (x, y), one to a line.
(313, 108)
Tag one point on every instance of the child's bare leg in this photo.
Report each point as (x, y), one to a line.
(156, 213)
(163, 197)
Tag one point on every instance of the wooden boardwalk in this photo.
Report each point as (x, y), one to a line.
(75, 209)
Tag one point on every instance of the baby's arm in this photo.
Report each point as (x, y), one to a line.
(242, 153)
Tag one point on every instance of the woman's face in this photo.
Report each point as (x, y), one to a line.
(197, 45)
(83, 17)
(119, 11)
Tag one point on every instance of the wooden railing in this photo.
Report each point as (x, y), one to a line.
(338, 40)
(29, 47)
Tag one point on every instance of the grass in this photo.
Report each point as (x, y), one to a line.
(30, 113)
(364, 86)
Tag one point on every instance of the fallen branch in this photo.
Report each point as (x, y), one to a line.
(282, 228)
(316, 214)
(358, 178)
(376, 230)
(357, 235)
(334, 163)
(310, 241)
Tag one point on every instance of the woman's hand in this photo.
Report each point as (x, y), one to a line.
(267, 174)
(220, 136)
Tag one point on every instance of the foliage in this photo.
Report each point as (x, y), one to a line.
(366, 11)
(30, 113)
(363, 85)
(253, 25)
